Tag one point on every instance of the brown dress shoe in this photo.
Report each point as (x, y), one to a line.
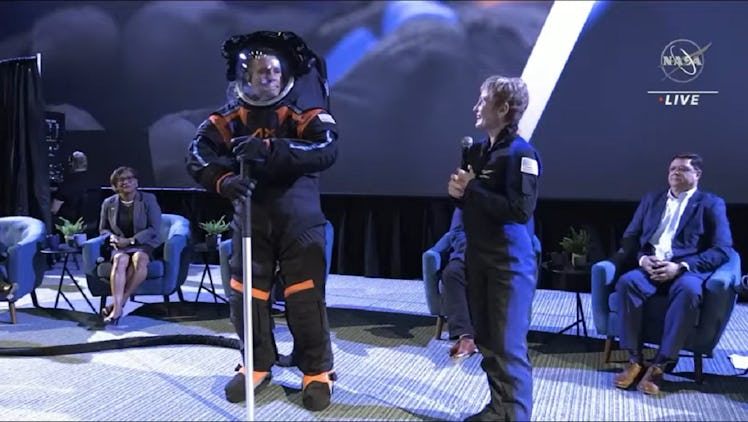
(463, 349)
(629, 375)
(652, 380)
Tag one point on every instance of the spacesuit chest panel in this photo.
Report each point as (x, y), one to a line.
(262, 123)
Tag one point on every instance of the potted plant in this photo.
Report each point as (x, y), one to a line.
(577, 245)
(73, 232)
(213, 230)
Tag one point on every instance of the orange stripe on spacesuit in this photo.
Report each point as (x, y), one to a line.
(220, 123)
(220, 179)
(256, 293)
(243, 115)
(282, 113)
(326, 377)
(297, 287)
(303, 119)
(260, 294)
(237, 285)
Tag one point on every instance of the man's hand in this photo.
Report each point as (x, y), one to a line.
(458, 182)
(648, 263)
(235, 187)
(665, 271)
(249, 148)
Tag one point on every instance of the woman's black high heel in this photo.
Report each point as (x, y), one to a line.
(106, 315)
(105, 311)
(112, 321)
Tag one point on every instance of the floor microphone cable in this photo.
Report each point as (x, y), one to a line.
(124, 343)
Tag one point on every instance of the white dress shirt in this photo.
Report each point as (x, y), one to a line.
(662, 239)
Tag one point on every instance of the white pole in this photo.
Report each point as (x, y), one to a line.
(39, 62)
(248, 342)
(247, 285)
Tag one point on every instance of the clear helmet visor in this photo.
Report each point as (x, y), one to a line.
(262, 78)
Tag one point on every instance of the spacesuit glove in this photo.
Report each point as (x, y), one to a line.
(250, 149)
(236, 187)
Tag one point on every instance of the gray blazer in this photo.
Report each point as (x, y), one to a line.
(146, 219)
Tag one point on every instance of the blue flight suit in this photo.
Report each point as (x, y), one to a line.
(498, 207)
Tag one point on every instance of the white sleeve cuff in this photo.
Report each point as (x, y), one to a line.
(685, 265)
(641, 259)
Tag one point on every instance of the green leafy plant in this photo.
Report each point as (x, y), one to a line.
(68, 228)
(577, 242)
(213, 227)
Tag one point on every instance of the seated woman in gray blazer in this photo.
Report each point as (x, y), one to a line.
(132, 219)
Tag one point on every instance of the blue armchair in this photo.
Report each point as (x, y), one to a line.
(432, 266)
(165, 275)
(224, 253)
(21, 239)
(720, 295)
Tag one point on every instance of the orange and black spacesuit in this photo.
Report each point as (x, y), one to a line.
(280, 127)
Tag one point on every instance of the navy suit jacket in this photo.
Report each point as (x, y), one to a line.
(702, 239)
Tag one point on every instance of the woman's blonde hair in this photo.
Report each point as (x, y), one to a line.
(512, 91)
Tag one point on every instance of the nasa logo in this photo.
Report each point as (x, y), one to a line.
(682, 60)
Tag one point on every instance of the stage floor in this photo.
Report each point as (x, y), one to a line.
(390, 366)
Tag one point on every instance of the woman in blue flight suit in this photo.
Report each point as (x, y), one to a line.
(498, 195)
(279, 123)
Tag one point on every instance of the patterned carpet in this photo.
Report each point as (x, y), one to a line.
(389, 365)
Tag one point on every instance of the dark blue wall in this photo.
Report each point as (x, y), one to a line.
(603, 137)
(136, 78)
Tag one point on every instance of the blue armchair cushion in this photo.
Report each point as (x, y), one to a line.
(22, 238)
(719, 296)
(3, 260)
(431, 262)
(165, 273)
(155, 270)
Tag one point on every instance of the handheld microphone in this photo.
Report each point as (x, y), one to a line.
(466, 142)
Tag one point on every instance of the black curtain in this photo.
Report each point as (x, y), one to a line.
(384, 237)
(380, 237)
(24, 181)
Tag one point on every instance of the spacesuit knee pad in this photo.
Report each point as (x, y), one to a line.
(305, 308)
(303, 292)
(261, 319)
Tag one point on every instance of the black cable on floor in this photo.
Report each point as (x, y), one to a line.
(124, 343)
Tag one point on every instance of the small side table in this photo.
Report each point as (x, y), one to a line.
(205, 251)
(568, 278)
(65, 251)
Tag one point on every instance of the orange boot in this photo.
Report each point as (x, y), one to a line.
(316, 390)
(235, 390)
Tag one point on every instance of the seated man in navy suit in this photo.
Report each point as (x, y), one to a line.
(678, 238)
